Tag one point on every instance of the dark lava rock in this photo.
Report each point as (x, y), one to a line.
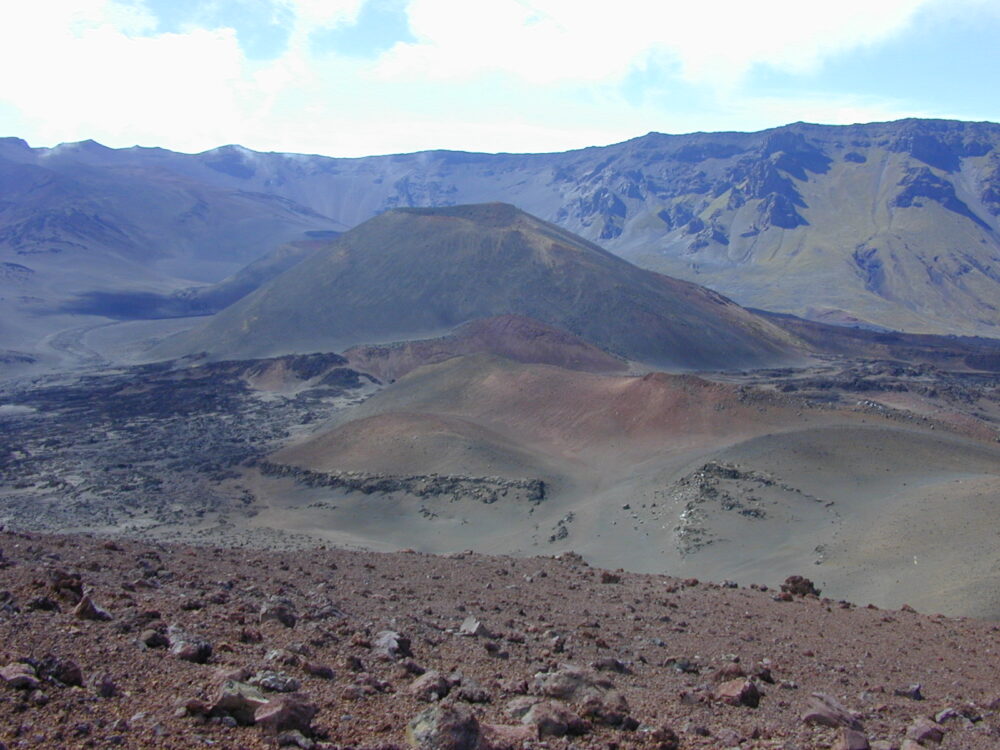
(799, 586)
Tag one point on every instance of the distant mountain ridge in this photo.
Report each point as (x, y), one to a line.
(893, 224)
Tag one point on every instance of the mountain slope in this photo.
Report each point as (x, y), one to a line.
(414, 272)
(664, 472)
(895, 224)
(512, 336)
(70, 229)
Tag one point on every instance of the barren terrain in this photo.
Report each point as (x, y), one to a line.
(369, 641)
(879, 479)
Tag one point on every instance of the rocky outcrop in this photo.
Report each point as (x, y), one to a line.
(483, 489)
(921, 182)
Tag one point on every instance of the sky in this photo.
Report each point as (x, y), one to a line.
(360, 77)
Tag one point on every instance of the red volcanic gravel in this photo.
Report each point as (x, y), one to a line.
(333, 648)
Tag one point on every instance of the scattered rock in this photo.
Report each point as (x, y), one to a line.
(104, 685)
(431, 686)
(279, 609)
(445, 727)
(66, 586)
(829, 712)
(519, 706)
(610, 664)
(925, 730)
(391, 645)
(506, 736)
(913, 692)
(316, 669)
(188, 647)
(471, 627)
(471, 691)
(295, 738)
(289, 712)
(63, 672)
(42, 604)
(565, 683)
(740, 692)
(607, 707)
(727, 738)
(87, 610)
(665, 738)
(283, 656)
(251, 635)
(851, 739)
(153, 639)
(799, 586)
(967, 712)
(20, 675)
(410, 667)
(277, 682)
(554, 719)
(192, 707)
(353, 693)
(239, 674)
(731, 671)
(682, 664)
(239, 700)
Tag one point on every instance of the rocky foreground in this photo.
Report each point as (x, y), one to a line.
(124, 644)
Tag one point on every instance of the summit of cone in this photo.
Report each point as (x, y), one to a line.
(415, 272)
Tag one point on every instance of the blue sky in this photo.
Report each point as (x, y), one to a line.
(357, 77)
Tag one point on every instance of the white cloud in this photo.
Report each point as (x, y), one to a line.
(748, 113)
(714, 42)
(324, 13)
(82, 71)
(514, 75)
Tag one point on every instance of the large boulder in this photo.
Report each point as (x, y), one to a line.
(61, 671)
(827, 711)
(740, 692)
(554, 719)
(279, 609)
(239, 700)
(851, 739)
(569, 683)
(20, 675)
(924, 730)
(390, 644)
(287, 713)
(87, 610)
(188, 647)
(430, 686)
(445, 727)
